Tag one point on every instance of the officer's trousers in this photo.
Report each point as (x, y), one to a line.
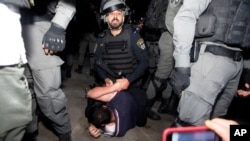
(33, 125)
(88, 41)
(211, 76)
(165, 64)
(46, 73)
(51, 99)
(15, 104)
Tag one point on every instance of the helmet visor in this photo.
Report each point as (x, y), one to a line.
(113, 8)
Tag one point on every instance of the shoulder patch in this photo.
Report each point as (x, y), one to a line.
(140, 43)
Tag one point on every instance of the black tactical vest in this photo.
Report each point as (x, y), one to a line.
(118, 53)
(226, 21)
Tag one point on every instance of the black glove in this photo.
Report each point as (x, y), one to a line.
(18, 3)
(54, 38)
(179, 79)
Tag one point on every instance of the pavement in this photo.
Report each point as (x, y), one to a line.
(74, 89)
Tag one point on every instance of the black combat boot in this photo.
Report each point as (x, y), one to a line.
(163, 109)
(179, 123)
(65, 137)
(79, 69)
(150, 113)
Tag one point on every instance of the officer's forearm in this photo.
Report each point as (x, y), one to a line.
(65, 11)
(101, 91)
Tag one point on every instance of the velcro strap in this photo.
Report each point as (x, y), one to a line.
(221, 51)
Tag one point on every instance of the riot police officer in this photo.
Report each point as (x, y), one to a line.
(159, 84)
(15, 101)
(208, 84)
(121, 54)
(44, 35)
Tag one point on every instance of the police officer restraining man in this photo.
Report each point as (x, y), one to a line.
(121, 54)
(115, 114)
(208, 84)
(44, 34)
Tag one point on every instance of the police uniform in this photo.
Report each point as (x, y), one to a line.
(125, 55)
(215, 76)
(46, 68)
(165, 62)
(15, 101)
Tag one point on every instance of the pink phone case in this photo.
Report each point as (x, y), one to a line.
(168, 131)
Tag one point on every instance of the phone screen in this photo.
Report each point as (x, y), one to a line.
(194, 136)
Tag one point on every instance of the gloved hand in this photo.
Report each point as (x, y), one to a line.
(19, 3)
(54, 39)
(179, 79)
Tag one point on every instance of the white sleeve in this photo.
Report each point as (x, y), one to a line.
(184, 29)
(65, 10)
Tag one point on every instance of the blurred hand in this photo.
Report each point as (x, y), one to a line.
(108, 81)
(48, 51)
(94, 132)
(179, 79)
(54, 39)
(221, 127)
(244, 93)
(124, 83)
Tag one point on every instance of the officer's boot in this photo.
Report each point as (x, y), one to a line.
(65, 136)
(79, 69)
(68, 71)
(163, 109)
(150, 113)
(174, 104)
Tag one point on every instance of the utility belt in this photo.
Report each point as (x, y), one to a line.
(216, 50)
(12, 66)
(154, 43)
(221, 51)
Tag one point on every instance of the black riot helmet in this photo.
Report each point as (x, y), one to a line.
(112, 5)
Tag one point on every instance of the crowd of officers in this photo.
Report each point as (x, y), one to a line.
(199, 65)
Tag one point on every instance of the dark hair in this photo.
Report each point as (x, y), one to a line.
(99, 115)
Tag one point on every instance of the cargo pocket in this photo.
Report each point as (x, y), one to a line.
(193, 109)
(58, 102)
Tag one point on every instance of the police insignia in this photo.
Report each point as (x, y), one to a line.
(140, 44)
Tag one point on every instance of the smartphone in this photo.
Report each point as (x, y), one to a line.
(192, 133)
